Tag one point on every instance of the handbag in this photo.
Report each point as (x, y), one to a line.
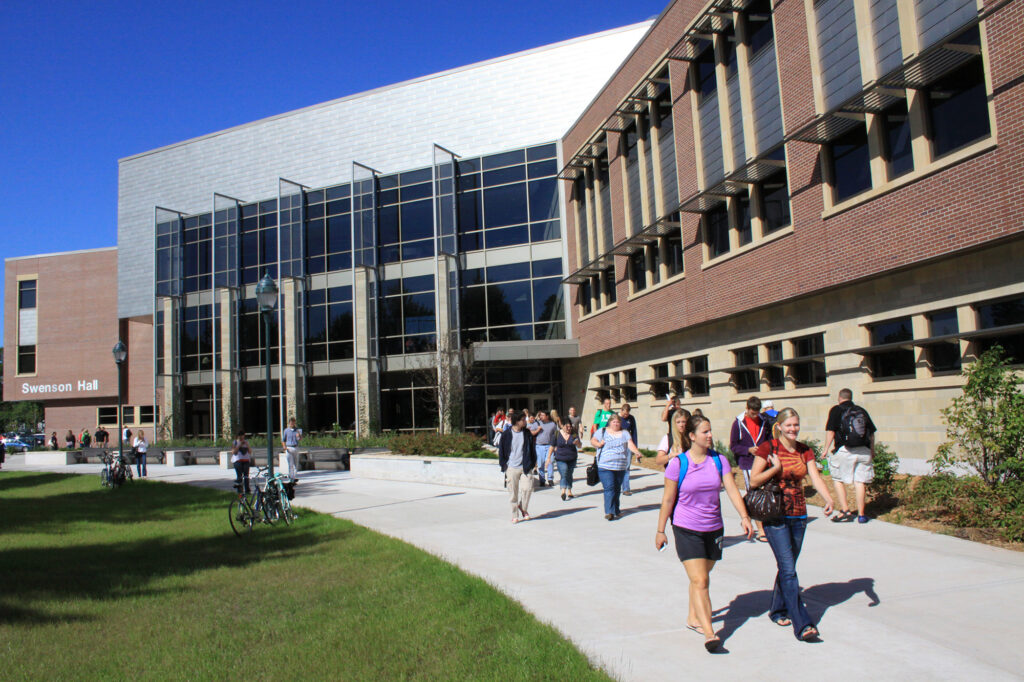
(765, 502)
(592, 476)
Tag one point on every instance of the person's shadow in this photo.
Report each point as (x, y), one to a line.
(817, 598)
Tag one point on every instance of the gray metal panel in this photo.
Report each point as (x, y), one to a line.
(736, 115)
(711, 141)
(938, 18)
(506, 103)
(767, 105)
(837, 49)
(669, 176)
(885, 25)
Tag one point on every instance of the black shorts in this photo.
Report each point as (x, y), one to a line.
(698, 544)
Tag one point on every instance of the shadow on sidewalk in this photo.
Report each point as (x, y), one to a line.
(559, 512)
(817, 598)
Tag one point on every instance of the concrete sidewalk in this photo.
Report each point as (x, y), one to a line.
(891, 602)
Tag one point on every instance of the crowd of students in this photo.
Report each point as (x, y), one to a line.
(765, 447)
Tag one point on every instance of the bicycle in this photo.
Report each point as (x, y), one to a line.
(277, 494)
(270, 501)
(116, 470)
(241, 513)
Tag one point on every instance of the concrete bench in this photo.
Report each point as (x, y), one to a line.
(451, 471)
(53, 458)
(178, 458)
(326, 460)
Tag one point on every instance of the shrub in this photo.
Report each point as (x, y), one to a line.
(885, 464)
(722, 448)
(969, 502)
(985, 426)
(431, 444)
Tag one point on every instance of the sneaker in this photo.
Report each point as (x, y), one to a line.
(862, 519)
(627, 492)
(608, 517)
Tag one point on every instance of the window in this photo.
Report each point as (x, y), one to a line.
(26, 359)
(851, 173)
(638, 270)
(697, 377)
(629, 385)
(775, 203)
(807, 366)
(1003, 314)
(944, 356)
(674, 253)
(106, 416)
(609, 284)
(716, 231)
(660, 389)
(894, 359)
(899, 157)
(744, 373)
(958, 109)
(743, 227)
(27, 327)
(147, 414)
(26, 294)
(583, 297)
(704, 73)
(774, 374)
(759, 25)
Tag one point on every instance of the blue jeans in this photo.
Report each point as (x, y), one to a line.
(242, 474)
(140, 464)
(542, 455)
(786, 537)
(611, 481)
(565, 470)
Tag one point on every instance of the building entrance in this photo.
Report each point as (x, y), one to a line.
(507, 403)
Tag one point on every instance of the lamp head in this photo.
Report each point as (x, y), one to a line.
(120, 352)
(266, 294)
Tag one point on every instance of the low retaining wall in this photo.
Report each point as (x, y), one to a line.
(52, 458)
(464, 473)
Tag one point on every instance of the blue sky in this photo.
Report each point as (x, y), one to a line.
(84, 84)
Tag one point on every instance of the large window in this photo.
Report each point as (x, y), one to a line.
(516, 301)
(899, 157)
(744, 372)
(851, 171)
(807, 366)
(958, 109)
(27, 327)
(1002, 320)
(893, 359)
(944, 355)
(329, 324)
(716, 231)
(407, 315)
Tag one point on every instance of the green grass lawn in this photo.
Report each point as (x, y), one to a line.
(149, 581)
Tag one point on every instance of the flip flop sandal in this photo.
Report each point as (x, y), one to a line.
(783, 622)
(809, 634)
(762, 538)
(696, 628)
(712, 644)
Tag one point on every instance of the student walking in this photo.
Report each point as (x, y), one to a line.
(850, 427)
(241, 459)
(676, 442)
(613, 456)
(140, 446)
(290, 438)
(692, 500)
(543, 431)
(602, 416)
(518, 461)
(565, 454)
(748, 431)
(629, 426)
(788, 461)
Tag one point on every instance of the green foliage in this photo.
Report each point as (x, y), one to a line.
(431, 444)
(969, 502)
(722, 448)
(15, 416)
(885, 464)
(985, 426)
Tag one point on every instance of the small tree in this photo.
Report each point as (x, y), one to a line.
(985, 426)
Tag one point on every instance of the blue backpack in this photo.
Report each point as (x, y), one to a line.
(715, 457)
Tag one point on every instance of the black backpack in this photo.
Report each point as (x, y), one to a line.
(854, 427)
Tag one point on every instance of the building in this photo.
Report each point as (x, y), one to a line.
(786, 198)
(340, 204)
(743, 197)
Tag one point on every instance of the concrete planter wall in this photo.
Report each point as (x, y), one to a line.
(464, 473)
(52, 458)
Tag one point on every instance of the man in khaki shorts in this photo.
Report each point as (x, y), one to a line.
(849, 426)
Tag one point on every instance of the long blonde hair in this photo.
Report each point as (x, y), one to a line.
(680, 441)
(555, 418)
(784, 414)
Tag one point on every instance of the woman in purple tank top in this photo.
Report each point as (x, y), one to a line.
(695, 508)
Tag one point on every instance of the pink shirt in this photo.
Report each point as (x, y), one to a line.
(698, 506)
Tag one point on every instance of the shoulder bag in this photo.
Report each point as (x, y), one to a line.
(765, 503)
(592, 476)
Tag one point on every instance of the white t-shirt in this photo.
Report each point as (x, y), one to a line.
(141, 445)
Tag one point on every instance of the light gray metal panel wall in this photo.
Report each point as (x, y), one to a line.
(938, 18)
(711, 140)
(885, 24)
(736, 123)
(505, 103)
(764, 82)
(837, 49)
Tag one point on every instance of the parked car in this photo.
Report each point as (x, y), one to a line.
(15, 444)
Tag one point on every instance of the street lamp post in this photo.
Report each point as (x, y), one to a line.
(266, 297)
(120, 353)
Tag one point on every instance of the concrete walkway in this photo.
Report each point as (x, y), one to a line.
(892, 603)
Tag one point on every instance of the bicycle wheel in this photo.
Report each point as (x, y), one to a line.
(285, 506)
(241, 517)
(105, 478)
